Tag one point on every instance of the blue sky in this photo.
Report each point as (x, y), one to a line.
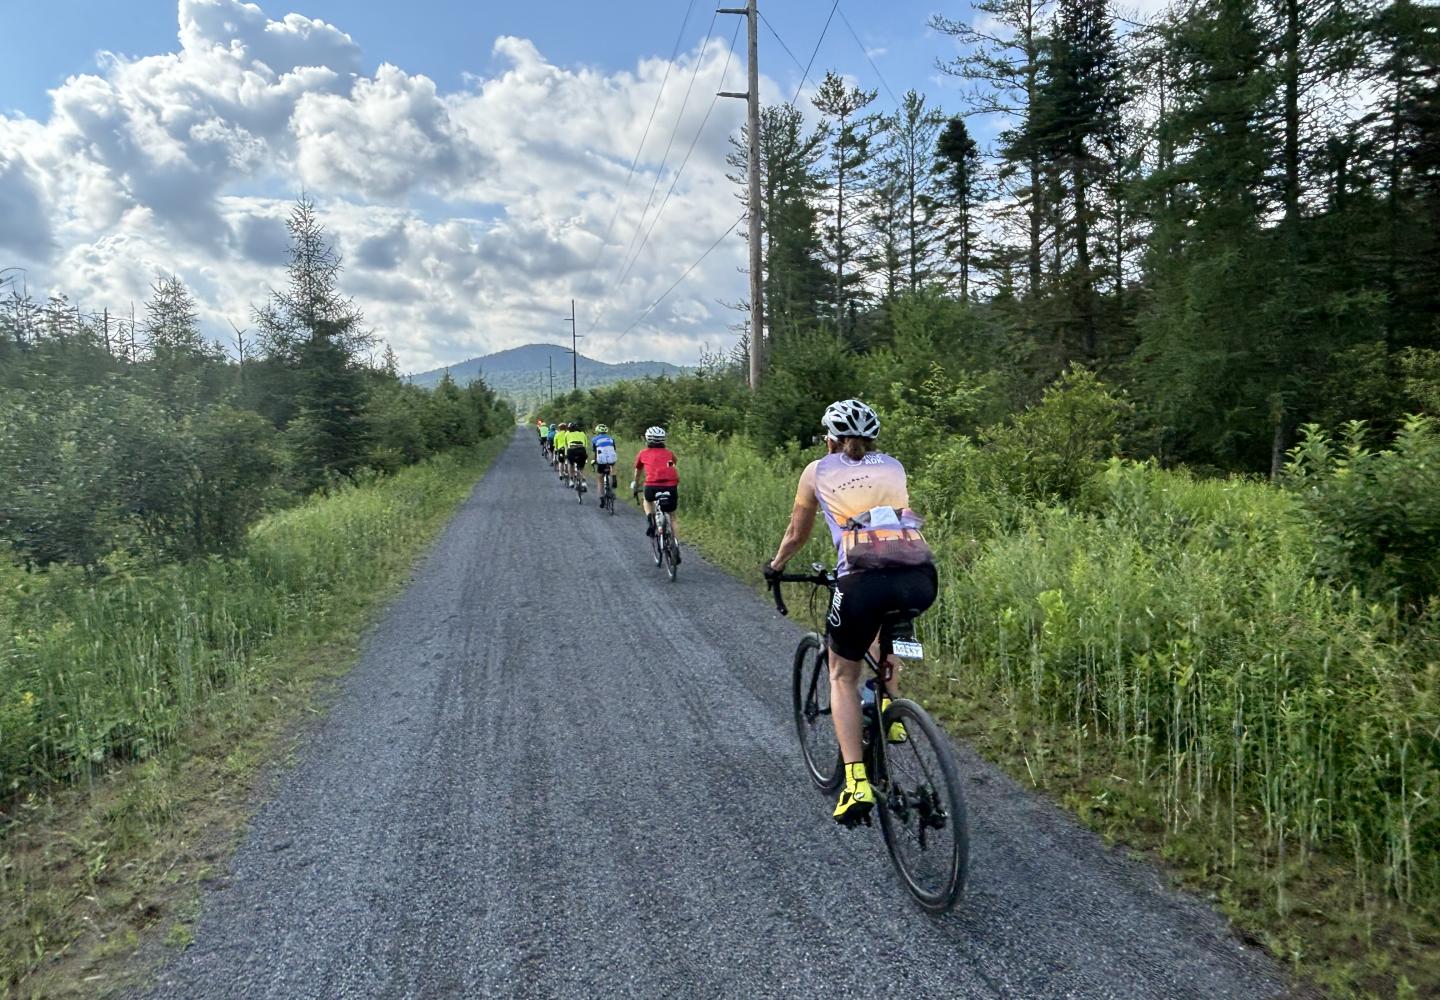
(469, 159)
(44, 42)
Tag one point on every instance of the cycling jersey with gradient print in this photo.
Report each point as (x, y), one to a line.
(846, 489)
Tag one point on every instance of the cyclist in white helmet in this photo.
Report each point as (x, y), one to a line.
(656, 466)
(851, 485)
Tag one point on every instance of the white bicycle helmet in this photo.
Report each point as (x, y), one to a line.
(850, 418)
(655, 435)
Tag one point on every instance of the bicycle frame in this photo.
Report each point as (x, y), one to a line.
(872, 726)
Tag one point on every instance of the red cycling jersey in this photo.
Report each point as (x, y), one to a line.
(659, 466)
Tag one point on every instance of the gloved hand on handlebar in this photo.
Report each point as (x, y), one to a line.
(771, 573)
(633, 487)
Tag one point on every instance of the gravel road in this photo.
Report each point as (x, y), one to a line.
(555, 774)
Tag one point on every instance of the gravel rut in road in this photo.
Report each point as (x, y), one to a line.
(553, 773)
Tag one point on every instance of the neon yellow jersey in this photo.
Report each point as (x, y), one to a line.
(576, 439)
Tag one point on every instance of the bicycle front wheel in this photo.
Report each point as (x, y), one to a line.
(922, 811)
(813, 722)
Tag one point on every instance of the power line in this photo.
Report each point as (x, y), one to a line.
(805, 76)
(635, 160)
(866, 52)
(767, 23)
(674, 181)
(684, 103)
(709, 250)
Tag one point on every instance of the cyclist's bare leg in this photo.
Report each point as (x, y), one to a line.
(845, 705)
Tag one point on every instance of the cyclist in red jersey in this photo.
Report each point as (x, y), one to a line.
(656, 465)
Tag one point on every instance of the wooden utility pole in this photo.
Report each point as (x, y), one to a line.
(575, 338)
(752, 127)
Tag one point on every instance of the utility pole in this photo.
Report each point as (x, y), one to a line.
(752, 124)
(550, 363)
(575, 338)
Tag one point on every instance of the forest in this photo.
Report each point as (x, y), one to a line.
(138, 437)
(1229, 212)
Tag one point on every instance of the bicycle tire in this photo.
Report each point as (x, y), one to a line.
(810, 686)
(657, 546)
(907, 810)
(671, 566)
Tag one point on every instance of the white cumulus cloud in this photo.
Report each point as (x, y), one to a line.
(468, 218)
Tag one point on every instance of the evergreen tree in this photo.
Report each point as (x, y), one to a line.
(1203, 332)
(312, 337)
(1073, 125)
(179, 356)
(957, 197)
(1001, 60)
(910, 136)
(851, 136)
(794, 284)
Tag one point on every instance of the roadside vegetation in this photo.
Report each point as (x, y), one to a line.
(1163, 364)
(189, 543)
(1241, 677)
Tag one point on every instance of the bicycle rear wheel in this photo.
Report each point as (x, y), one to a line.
(671, 565)
(813, 722)
(657, 542)
(922, 811)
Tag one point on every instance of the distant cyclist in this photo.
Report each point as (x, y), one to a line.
(562, 438)
(550, 441)
(656, 466)
(576, 452)
(860, 491)
(605, 456)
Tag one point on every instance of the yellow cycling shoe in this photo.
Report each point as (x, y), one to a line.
(896, 733)
(857, 798)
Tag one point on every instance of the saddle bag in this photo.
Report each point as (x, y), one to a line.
(884, 538)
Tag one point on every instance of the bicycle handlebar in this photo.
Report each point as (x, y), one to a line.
(819, 578)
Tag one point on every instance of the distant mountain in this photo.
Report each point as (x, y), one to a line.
(522, 374)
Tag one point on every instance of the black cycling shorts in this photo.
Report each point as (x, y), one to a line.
(576, 457)
(665, 497)
(863, 599)
(604, 470)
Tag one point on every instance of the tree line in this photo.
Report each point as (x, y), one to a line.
(127, 436)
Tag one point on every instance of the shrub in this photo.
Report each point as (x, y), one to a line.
(1377, 513)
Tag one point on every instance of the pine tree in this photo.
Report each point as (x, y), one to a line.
(957, 197)
(910, 135)
(1002, 51)
(1073, 123)
(851, 136)
(795, 281)
(178, 354)
(313, 338)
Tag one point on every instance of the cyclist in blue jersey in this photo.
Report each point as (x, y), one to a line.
(603, 446)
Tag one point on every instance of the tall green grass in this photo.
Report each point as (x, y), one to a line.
(1175, 623)
(95, 670)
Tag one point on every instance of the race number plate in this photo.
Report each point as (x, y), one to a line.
(908, 650)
